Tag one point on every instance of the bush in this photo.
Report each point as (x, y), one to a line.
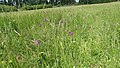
(48, 6)
(39, 6)
(5, 8)
(59, 5)
(33, 7)
(27, 7)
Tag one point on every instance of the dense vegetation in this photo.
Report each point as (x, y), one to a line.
(56, 2)
(4, 8)
(66, 37)
(40, 4)
(34, 7)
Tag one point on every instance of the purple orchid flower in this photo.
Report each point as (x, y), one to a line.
(45, 19)
(71, 33)
(37, 42)
(40, 24)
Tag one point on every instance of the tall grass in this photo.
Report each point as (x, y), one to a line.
(94, 42)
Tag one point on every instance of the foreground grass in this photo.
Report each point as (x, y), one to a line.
(94, 42)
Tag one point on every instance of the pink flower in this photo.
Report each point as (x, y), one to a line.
(71, 33)
(36, 42)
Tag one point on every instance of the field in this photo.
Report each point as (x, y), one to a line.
(86, 36)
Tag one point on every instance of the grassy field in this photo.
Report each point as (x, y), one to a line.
(85, 36)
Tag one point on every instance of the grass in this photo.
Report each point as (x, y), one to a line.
(95, 42)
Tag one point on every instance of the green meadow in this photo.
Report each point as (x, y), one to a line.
(85, 36)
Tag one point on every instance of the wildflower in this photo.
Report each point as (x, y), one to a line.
(40, 24)
(71, 33)
(44, 19)
(27, 36)
(36, 42)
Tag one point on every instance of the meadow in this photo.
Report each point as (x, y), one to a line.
(85, 36)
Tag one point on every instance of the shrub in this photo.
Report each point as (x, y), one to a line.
(33, 7)
(5, 8)
(48, 6)
(59, 5)
(39, 6)
(27, 7)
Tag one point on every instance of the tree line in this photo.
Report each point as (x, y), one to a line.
(54, 2)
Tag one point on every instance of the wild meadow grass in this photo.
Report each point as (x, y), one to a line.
(85, 36)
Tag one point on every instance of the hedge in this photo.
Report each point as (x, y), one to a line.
(5, 8)
(33, 7)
